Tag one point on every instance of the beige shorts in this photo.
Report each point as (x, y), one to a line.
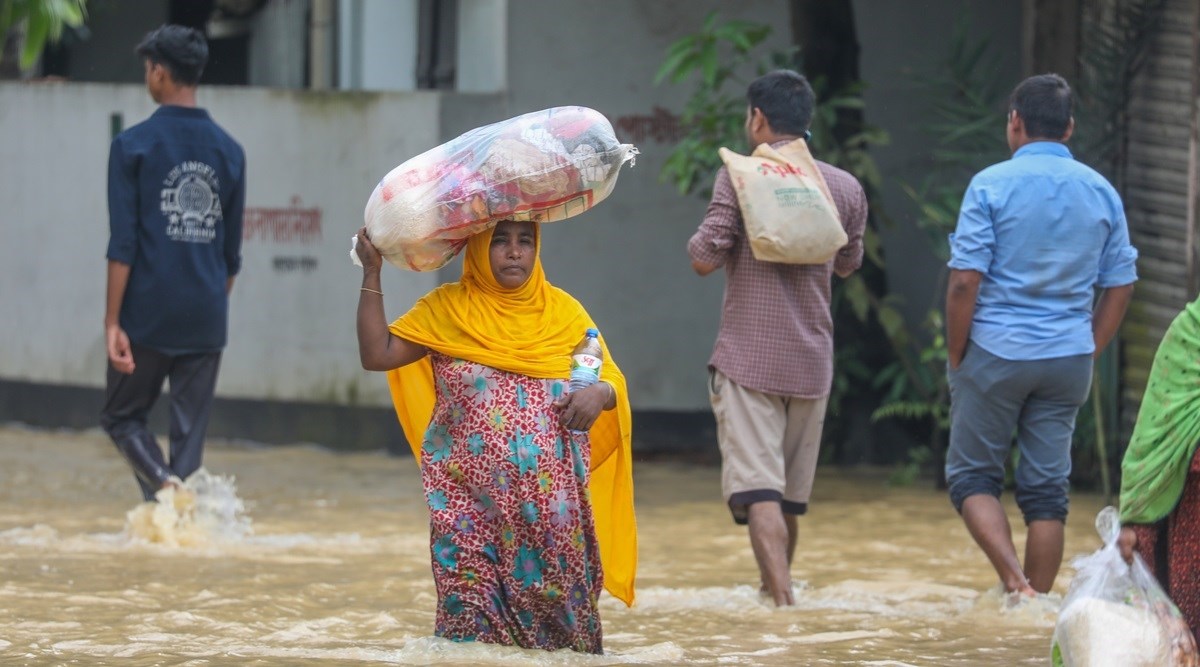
(769, 445)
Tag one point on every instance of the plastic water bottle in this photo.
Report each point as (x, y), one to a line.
(586, 360)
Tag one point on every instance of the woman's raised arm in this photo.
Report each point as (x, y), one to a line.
(378, 348)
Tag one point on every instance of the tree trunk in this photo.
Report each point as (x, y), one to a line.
(825, 33)
(1052, 37)
(826, 37)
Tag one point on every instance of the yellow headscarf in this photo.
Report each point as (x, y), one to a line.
(530, 330)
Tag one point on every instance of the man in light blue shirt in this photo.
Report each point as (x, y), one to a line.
(1037, 235)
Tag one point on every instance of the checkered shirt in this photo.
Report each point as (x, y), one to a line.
(776, 333)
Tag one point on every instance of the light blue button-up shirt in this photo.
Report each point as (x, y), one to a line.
(1045, 231)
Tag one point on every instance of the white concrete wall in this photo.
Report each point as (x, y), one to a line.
(292, 313)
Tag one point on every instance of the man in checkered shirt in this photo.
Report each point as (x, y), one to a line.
(772, 365)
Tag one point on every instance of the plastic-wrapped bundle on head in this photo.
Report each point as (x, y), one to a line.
(544, 166)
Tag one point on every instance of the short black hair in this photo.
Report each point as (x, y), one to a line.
(785, 98)
(1044, 104)
(182, 50)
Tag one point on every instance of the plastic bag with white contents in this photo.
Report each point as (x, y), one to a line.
(1115, 613)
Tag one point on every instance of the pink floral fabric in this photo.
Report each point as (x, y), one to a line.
(512, 537)
(1180, 534)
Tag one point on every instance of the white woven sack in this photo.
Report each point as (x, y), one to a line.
(786, 206)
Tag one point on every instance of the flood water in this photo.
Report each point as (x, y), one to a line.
(331, 567)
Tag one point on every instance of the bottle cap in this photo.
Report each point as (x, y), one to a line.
(593, 333)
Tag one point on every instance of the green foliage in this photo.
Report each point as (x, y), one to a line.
(902, 409)
(719, 55)
(850, 375)
(722, 58)
(44, 21)
(908, 472)
(914, 386)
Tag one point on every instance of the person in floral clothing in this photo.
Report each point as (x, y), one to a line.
(529, 519)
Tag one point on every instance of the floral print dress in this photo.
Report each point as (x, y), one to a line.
(514, 550)
(1171, 548)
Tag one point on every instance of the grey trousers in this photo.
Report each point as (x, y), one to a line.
(129, 398)
(991, 399)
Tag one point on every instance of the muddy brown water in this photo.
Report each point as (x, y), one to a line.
(331, 567)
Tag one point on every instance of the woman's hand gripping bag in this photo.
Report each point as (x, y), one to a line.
(1115, 613)
(786, 205)
(543, 166)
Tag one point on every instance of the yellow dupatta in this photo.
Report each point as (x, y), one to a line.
(530, 330)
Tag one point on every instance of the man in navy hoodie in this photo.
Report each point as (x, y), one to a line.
(176, 188)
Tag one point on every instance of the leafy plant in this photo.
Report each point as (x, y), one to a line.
(44, 21)
(914, 385)
(722, 57)
(721, 53)
(908, 472)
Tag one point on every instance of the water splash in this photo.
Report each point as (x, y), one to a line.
(204, 510)
(1015, 609)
